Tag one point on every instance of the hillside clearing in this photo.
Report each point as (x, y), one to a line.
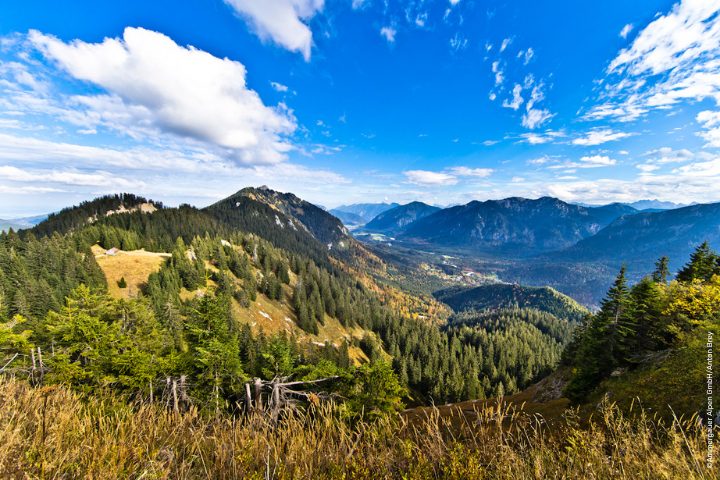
(134, 266)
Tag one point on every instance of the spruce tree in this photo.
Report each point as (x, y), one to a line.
(703, 264)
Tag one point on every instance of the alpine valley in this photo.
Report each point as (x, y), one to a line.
(359, 240)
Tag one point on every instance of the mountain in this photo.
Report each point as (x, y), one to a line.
(396, 219)
(283, 218)
(349, 219)
(504, 295)
(640, 239)
(516, 226)
(654, 205)
(72, 218)
(20, 223)
(361, 213)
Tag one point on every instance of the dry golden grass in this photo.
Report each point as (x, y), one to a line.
(52, 433)
(135, 266)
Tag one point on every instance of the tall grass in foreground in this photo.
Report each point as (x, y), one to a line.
(53, 433)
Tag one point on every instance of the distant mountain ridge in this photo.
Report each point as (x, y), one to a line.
(514, 225)
(361, 213)
(393, 221)
(20, 223)
(641, 238)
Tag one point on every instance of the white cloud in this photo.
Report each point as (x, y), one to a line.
(458, 42)
(471, 172)
(536, 117)
(664, 155)
(545, 137)
(389, 33)
(673, 59)
(449, 176)
(187, 92)
(600, 136)
(94, 179)
(283, 21)
(505, 43)
(499, 77)
(516, 100)
(710, 120)
(35, 151)
(428, 178)
(279, 87)
(526, 55)
(592, 161)
(540, 160)
(626, 30)
(687, 32)
(647, 167)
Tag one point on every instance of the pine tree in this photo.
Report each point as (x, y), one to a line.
(661, 273)
(703, 264)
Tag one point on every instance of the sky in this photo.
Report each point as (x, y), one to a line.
(347, 101)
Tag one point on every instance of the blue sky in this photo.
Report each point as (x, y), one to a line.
(343, 101)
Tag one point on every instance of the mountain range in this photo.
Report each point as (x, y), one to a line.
(358, 214)
(20, 223)
(544, 241)
(513, 226)
(395, 220)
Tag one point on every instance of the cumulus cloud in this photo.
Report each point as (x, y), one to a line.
(428, 178)
(151, 80)
(282, 21)
(599, 136)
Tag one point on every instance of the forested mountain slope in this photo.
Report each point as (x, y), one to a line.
(639, 240)
(502, 295)
(513, 226)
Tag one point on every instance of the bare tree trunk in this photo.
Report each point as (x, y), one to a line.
(176, 407)
(34, 367)
(276, 399)
(183, 391)
(151, 392)
(217, 395)
(248, 398)
(40, 361)
(258, 394)
(167, 392)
